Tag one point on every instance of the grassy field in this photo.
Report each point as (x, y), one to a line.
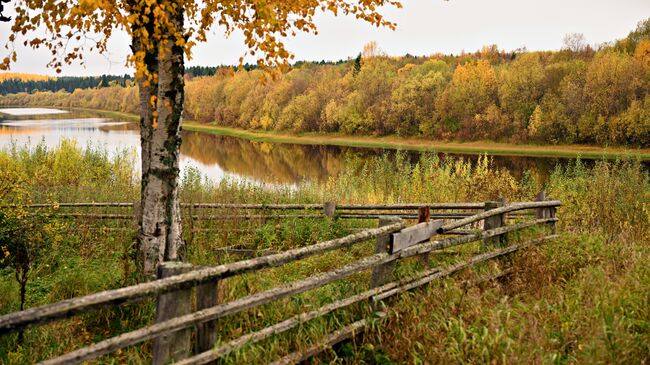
(582, 299)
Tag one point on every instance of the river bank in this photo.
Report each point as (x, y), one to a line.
(417, 144)
(411, 144)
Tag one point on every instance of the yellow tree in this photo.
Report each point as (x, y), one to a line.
(472, 89)
(162, 34)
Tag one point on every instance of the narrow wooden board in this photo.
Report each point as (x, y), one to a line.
(414, 234)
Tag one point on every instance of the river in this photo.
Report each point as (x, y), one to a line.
(216, 156)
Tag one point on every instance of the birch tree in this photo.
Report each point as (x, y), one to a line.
(163, 33)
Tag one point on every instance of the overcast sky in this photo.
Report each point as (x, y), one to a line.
(424, 27)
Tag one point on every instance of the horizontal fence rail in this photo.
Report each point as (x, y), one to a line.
(395, 241)
(397, 206)
(455, 215)
(69, 307)
(239, 305)
(328, 210)
(498, 211)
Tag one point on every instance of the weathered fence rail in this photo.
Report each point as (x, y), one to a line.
(67, 308)
(270, 211)
(174, 289)
(410, 206)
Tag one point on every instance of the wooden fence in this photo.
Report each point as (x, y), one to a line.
(187, 302)
(223, 211)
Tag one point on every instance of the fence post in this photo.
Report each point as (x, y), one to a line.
(540, 212)
(173, 346)
(207, 295)
(549, 212)
(329, 209)
(552, 214)
(491, 223)
(383, 274)
(424, 215)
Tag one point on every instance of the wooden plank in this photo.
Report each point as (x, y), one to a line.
(409, 206)
(150, 332)
(383, 273)
(329, 209)
(414, 234)
(206, 332)
(226, 217)
(173, 346)
(549, 212)
(257, 206)
(541, 212)
(508, 208)
(462, 231)
(403, 213)
(251, 301)
(452, 215)
(281, 327)
(492, 222)
(335, 338)
(95, 216)
(66, 308)
(194, 217)
(455, 241)
(376, 215)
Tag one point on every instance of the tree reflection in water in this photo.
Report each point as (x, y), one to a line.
(293, 163)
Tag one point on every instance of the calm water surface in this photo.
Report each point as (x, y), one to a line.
(217, 156)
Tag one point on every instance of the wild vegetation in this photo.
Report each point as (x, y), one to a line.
(576, 95)
(583, 298)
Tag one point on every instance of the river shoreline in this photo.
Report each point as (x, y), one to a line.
(411, 144)
(415, 144)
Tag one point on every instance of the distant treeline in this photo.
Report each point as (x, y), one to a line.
(12, 83)
(196, 71)
(67, 83)
(575, 95)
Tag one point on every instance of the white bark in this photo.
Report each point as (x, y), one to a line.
(160, 232)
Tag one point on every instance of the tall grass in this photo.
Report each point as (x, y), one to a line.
(581, 299)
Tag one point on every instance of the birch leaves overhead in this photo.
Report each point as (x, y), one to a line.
(69, 28)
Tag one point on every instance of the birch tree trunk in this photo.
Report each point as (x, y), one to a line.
(159, 217)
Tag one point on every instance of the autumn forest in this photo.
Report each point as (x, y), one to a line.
(575, 95)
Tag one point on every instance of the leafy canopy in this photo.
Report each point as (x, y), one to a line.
(68, 28)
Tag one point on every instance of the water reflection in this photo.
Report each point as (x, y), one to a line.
(290, 163)
(31, 111)
(86, 128)
(218, 156)
(263, 161)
